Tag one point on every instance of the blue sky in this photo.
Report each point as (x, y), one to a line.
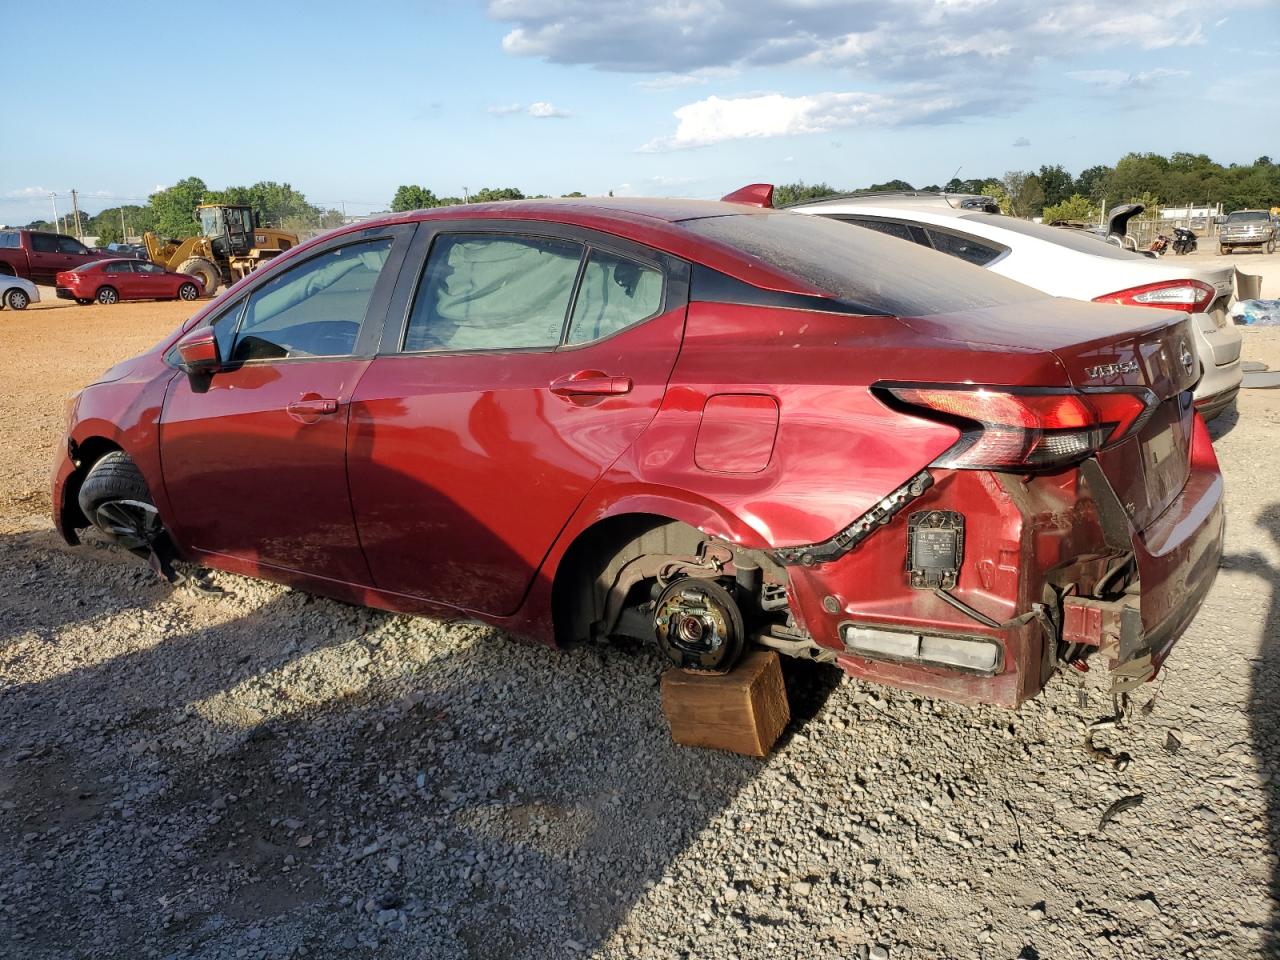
(684, 97)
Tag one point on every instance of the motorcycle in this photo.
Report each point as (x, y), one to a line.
(1158, 246)
(1184, 241)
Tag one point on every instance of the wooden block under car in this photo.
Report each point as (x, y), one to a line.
(743, 711)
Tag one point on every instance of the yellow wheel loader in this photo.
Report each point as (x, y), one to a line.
(230, 246)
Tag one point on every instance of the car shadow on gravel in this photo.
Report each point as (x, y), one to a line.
(1264, 708)
(1223, 423)
(300, 773)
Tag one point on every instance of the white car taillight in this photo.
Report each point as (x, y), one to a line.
(1189, 295)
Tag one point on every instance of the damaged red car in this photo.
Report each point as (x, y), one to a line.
(710, 424)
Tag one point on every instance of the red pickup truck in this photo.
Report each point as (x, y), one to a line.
(39, 256)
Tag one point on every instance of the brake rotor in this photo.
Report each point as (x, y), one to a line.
(699, 625)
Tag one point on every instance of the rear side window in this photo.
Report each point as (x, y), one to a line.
(860, 267)
(888, 227)
(615, 293)
(493, 293)
(68, 245)
(9, 240)
(119, 268)
(314, 309)
(44, 243)
(965, 247)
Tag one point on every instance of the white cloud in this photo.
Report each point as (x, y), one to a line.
(544, 110)
(1120, 80)
(717, 119)
(893, 39)
(1022, 142)
(678, 81)
(27, 193)
(539, 109)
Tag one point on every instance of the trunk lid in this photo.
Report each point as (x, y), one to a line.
(1103, 347)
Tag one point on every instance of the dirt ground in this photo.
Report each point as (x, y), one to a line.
(260, 773)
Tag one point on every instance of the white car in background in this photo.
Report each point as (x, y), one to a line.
(16, 293)
(1064, 263)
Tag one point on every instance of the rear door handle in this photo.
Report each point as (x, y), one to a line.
(590, 383)
(311, 409)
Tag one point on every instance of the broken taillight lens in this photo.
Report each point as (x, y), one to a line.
(1004, 428)
(1192, 296)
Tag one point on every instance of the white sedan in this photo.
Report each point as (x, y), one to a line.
(16, 293)
(1065, 263)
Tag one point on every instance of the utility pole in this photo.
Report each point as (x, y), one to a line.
(53, 199)
(465, 197)
(124, 233)
(75, 206)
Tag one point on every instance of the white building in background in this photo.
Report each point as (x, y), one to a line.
(1193, 212)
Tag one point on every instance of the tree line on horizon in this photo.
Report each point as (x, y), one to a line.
(1051, 192)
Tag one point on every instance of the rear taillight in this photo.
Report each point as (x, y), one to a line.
(1190, 295)
(1004, 428)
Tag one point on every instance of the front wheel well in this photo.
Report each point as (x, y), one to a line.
(84, 454)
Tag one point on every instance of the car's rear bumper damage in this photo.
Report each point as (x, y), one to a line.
(1052, 569)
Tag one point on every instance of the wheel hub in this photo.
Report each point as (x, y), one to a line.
(698, 625)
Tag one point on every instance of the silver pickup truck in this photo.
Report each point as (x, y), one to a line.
(1247, 228)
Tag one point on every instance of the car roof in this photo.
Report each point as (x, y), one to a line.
(942, 204)
(655, 222)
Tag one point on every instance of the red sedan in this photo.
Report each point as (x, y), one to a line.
(712, 424)
(110, 281)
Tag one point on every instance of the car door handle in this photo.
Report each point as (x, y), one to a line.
(311, 409)
(590, 383)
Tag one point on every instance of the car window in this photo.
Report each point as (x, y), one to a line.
(890, 227)
(314, 309)
(1076, 240)
(67, 245)
(143, 267)
(119, 268)
(1249, 217)
(493, 293)
(9, 239)
(861, 267)
(965, 247)
(614, 293)
(44, 243)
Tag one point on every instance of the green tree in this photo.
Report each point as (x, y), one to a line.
(1074, 207)
(1057, 184)
(107, 232)
(274, 203)
(1026, 196)
(998, 193)
(175, 207)
(490, 194)
(798, 192)
(575, 193)
(1091, 181)
(412, 197)
(892, 185)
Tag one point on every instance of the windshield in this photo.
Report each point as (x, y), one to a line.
(1077, 240)
(877, 272)
(211, 222)
(1249, 216)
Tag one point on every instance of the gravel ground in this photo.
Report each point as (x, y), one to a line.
(260, 773)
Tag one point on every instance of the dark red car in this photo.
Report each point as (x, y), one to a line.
(712, 424)
(116, 279)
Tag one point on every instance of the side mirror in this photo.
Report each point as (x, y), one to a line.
(200, 356)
